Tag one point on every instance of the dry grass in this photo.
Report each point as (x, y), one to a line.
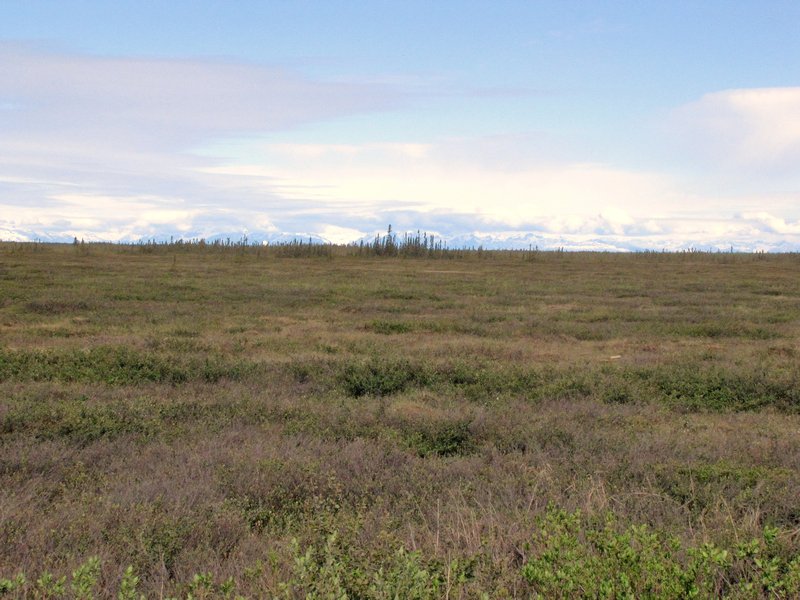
(188, 410)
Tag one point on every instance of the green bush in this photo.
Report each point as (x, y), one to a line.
(382, 377)
(441, 439)
(114, 365)
(569, 556)
(390, 327)
(572, 556)
(406, 578)
(694, 388)
(79, 420)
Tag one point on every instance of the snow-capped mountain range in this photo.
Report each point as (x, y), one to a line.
(502, 240)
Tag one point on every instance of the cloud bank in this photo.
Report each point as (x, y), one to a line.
(121, 149)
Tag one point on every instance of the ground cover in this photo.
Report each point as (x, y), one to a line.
(278, 422)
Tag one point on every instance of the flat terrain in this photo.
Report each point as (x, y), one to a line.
(239, 421)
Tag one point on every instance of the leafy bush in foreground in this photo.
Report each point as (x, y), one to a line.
(573, 557)
(569, 556)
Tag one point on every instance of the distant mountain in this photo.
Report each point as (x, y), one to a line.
(285, 238)
(516, 240)
(9, 235)
(252, 238)
(21, 235)
(497, 240)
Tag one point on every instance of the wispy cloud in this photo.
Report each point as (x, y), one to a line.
(164, 104)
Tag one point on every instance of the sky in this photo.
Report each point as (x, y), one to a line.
(608, 125)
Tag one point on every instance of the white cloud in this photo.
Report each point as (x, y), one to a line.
(431, 178)
(120, 149)
(446, 188)
(125, 218)
(755, 129)
(774, 224)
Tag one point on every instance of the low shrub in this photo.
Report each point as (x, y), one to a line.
(572, 556)
(382, 377)
(390, 327)
(441, 438)
(56, 307)
(694, 388)
(115, 365)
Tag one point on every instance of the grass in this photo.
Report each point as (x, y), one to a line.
(212, 421)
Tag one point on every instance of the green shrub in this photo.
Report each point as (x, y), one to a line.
(319, 574)
(441, 439)
(569, 556)
(382, 377)
(79, 420)
(128, 586)
(572, 556)
(56, 307)
(15, 585)
(405, 578)
(84, 579)
(694, 388)
(114, 365)
(390, 327)
(701, 486)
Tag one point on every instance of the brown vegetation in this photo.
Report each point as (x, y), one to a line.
(190, 410)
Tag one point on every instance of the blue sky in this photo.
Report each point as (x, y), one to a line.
(585, 124)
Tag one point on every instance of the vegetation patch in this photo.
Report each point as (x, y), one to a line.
(568, 556)
(387, 421)
(575, 557)
(699, 487)
(693, 388)
(382, 377)
(114, 365)
(56, 307)
(390, 327)
(79, 420)
(442, 438)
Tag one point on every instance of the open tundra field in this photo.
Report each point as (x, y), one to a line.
(202, 421)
